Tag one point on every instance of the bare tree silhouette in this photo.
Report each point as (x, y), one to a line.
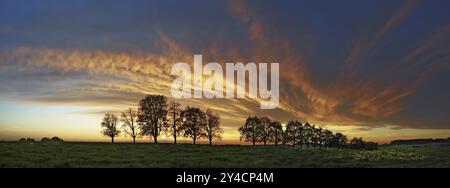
(213, 129)
(175, 113)
(129, 120)
(109, 125)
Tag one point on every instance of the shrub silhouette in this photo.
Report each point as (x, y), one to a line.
(371, 146)
(30, 140)
(359, 143)
(56, 139)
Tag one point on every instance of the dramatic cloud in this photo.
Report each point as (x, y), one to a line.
(351, 98)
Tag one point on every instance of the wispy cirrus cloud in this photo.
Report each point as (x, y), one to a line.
(350, 98)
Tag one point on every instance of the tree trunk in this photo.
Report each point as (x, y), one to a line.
(195, 137)
(253, 138)
(133, 134)
(210, 140)
(155, 135)
(112, 139)
(174, 129)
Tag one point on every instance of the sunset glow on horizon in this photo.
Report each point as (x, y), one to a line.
(63, 65)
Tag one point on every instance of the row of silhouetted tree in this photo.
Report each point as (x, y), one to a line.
(156, 116)
(264, 130)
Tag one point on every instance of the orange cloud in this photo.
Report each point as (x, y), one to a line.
(111, 77)
(348, 99)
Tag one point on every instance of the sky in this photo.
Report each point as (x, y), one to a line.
(376, 69)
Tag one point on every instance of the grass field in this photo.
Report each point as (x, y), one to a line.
(15, 154)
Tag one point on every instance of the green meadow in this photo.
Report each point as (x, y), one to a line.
(122, 155)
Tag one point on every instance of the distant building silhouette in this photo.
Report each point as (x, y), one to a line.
(420, 141)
